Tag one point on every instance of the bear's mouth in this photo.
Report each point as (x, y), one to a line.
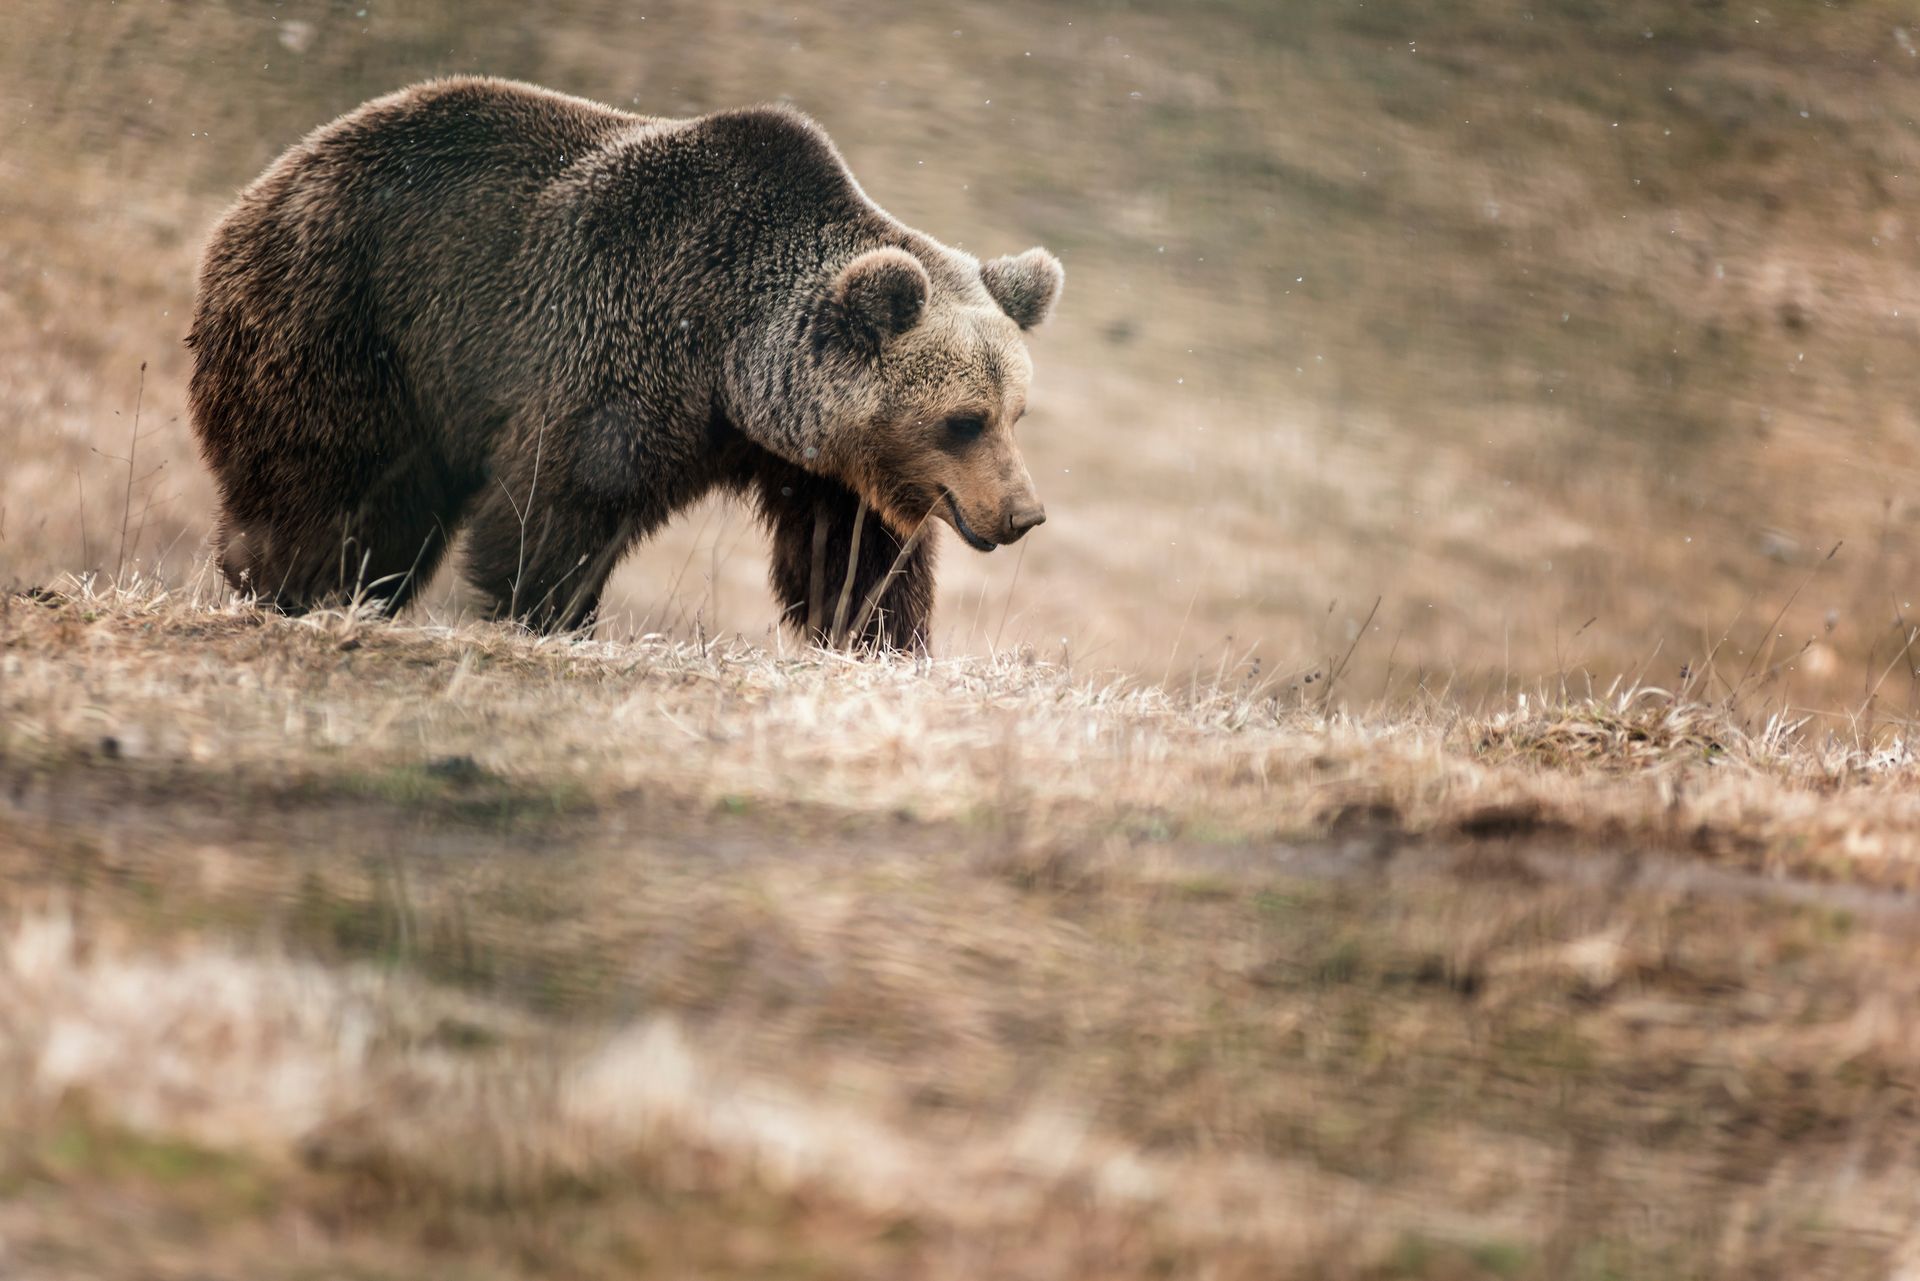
(965, 531)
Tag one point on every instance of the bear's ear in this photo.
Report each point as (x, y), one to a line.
(880, 294)
(1025, 285)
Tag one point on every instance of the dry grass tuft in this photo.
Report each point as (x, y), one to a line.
(1636, 730)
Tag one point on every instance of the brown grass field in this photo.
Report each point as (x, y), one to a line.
(1188, 913)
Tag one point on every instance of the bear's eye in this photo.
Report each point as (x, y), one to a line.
(962, 428)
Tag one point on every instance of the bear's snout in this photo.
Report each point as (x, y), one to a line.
(1021, 519)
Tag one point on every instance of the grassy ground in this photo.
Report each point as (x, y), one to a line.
(338, 947)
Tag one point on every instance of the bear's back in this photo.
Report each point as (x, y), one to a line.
(488, 234)
(514, 142)
(497, 131)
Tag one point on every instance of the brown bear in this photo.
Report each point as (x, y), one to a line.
(484, 303)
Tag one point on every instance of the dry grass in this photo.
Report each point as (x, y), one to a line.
(1241, 758)
(451, 949)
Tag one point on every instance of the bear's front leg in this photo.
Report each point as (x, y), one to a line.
(818, 578)
(544, 560)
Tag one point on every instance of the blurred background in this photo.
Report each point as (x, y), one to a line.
(1574, 335)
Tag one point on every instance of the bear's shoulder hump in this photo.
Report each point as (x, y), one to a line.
(774, 133)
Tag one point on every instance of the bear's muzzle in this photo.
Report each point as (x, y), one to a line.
(1021, 519)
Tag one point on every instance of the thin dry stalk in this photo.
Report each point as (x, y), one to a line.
(126, 503)
(1693, 675)
(1178, 636)
(80, 485)
(533, 488)
(686, 563)
(879, 589)
(817, 582)
(1772, 628)
(1018, 561)
(846, 585)
(1913, 634)
(1333, 677)
(596, 575)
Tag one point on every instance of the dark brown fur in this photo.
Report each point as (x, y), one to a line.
(480, 303)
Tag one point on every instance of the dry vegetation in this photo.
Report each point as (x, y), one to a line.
(338, 946)
(1553, 920)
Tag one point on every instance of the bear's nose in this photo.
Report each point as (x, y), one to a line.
(1019, 522)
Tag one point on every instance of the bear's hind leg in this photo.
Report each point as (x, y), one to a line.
(378, 547)
(334, 484)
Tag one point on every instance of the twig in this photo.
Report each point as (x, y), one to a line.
(439, 531)
(713, 571)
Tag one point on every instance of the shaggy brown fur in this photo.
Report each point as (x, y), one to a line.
(480, 302)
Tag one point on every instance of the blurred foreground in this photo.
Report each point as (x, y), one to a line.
(389, 951)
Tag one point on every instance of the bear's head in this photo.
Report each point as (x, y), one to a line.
(914, 372)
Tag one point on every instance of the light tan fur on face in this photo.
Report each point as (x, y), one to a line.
(966, 359)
